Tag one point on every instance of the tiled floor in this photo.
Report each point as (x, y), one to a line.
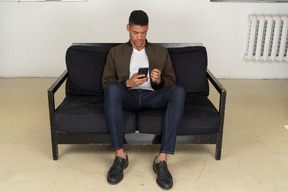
(254, 158)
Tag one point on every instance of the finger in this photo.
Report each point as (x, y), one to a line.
(155, 76)
(141, 75)
(143, 80)
(156, 70)
(134, 75)
(153, 73)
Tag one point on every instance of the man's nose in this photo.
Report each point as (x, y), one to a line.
(140, 36)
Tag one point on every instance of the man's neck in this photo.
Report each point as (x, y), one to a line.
(139, 48)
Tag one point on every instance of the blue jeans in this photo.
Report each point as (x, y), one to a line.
(118, 97)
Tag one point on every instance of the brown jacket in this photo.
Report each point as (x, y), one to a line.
(118, 61)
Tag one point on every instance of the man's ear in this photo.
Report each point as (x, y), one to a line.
(128, 27)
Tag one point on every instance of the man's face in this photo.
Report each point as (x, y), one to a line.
(137, 36)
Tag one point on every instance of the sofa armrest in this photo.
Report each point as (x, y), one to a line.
(218, 86)
(221, 90)
(55, 86)
(52, 90)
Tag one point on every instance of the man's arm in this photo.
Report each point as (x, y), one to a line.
(109, 72)
(163, 78)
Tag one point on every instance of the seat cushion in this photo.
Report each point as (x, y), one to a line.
(85, 114)
(190, 65)
(200, 117)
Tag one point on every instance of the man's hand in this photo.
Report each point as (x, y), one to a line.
(156, 76)
(134, 81)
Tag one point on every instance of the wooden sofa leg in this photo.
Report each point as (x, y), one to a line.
(55, 151)
(218, 147)
(218, 151)
(54, 145)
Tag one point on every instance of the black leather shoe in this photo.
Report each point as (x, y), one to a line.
(164, 177)
(115, 174)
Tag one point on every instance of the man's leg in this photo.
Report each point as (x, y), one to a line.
(172, 99)
(115, 95)
(171, 121)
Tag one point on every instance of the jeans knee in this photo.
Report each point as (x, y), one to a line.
(179, 91)
(113, 87)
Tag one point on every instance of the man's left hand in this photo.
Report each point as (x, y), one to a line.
(156, 76)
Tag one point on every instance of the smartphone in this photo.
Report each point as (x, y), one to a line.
(143, 70)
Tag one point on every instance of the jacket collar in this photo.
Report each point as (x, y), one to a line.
(146, 45)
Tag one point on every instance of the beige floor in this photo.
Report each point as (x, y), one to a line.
(254, 158)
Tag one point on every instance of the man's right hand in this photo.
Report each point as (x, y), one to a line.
(134, 81)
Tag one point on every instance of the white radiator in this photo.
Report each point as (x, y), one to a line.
(267, 38)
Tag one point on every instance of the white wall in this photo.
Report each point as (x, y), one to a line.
(34, 36)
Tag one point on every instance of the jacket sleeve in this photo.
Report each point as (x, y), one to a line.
(109, 72)
(167, 75)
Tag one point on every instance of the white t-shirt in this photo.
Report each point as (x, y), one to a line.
(139, 59)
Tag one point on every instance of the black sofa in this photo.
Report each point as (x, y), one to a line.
(80, 118)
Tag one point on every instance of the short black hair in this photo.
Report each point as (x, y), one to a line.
(138, 17)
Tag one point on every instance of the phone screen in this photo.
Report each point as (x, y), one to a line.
(143, 70)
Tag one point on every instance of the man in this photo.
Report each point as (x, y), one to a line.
(124, 88)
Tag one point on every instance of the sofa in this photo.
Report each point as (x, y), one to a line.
(80, 118)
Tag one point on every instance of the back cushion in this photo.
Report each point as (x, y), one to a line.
(190, 65)
(85, 66)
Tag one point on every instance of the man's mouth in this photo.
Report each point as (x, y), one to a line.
(139, 41)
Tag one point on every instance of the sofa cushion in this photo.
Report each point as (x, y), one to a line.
(200, 117)
(190, 65)
(85, 114)
(85, 66)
